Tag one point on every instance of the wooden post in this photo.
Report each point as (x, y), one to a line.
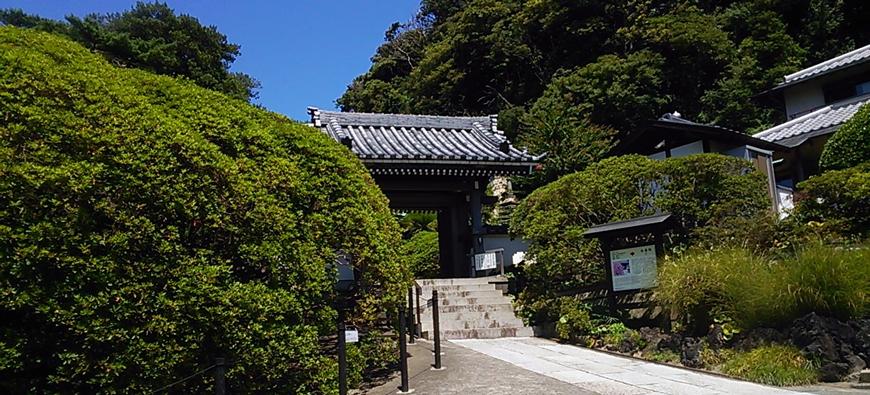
(403, 351)
(436, 329)
(342, 355)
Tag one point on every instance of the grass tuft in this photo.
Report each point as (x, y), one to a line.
(772, 364)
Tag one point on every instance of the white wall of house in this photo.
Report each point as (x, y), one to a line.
(511, 247)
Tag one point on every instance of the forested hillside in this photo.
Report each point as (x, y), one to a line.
(611, 63)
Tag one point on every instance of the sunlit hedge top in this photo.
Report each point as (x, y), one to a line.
(147, 224)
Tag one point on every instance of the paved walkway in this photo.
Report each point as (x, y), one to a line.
(532, 366)
(470, 373)
(597, 372)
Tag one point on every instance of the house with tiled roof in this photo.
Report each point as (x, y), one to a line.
(673, 136)
(817, 101)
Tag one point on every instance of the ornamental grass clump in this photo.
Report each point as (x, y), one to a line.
(733, 285)
(772, 364)
(148, 225)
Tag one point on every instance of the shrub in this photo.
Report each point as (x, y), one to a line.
(850, 145)
(148, 225)
(734, 284)
(840, 199)
(695, 189)
(574, 321)
(772, 364)
(422, 254)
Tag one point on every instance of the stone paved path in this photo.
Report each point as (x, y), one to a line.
(470, 373)
(597, 372)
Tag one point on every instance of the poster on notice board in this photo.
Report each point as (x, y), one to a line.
(633, 268)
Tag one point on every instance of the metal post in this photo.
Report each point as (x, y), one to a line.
(219, 372)
(342, 354)
(403, 351)
(411, 324)
(436, 329)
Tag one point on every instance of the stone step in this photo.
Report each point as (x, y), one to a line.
(427, 290)
(473, 301)
(482, 333)
(475, 324)
(426, 319)
(457, 281)
(464, 294)
(505, 307)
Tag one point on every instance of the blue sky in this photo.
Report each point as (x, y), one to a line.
(304, 52)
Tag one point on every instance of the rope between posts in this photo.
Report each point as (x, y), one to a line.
(161, 389)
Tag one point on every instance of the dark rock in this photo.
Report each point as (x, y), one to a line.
(840, 347)
(690, 352)
(652, 337)
(757, 337)
(833, 371)
(716, 337)
(673, 342)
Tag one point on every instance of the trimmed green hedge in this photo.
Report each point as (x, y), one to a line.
(850, 145)
(698, 189)
(148, 225)
(838, 199)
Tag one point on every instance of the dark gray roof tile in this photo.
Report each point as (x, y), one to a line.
(401, 136)
(829, 117)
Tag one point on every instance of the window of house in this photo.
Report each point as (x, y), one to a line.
(862, 88)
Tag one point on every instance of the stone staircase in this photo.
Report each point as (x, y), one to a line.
(470, 308)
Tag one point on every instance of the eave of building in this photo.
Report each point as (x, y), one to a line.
(663, 128)
(820, 122)
(839, 63)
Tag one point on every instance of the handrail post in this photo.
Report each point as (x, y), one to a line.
(436, 328)
(403, 351)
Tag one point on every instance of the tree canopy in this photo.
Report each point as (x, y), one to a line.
(148, 225)
(151, 36)
(614, 63)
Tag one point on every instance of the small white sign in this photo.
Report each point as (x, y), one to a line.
(485, 261)
(351, 336)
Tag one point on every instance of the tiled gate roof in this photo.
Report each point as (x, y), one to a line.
(463, 143)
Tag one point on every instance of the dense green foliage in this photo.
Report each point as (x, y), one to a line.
(151, 36)
(421, 251)
(735, 285)
(148, 225)
(696, 189)
(773, 365)
(617, 63)
(850, 145)
(839, 199)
